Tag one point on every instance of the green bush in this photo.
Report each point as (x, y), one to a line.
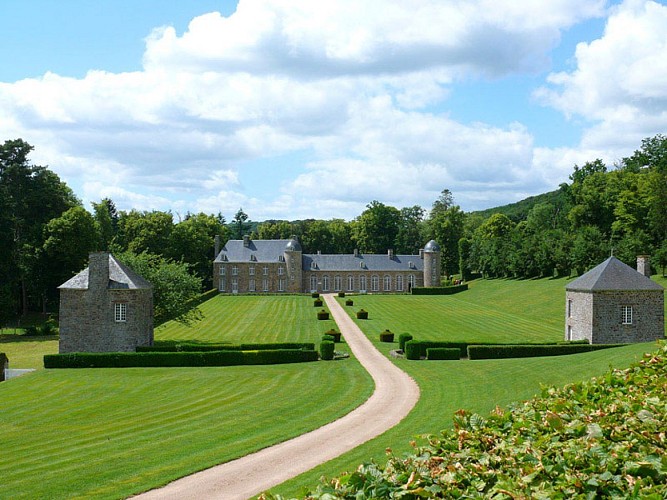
(349, 302)
(434, 353)
(328, 337)
(386, 336)
(361, 314)
(531, 351)
(333, 333)
(323, 314)
(327, 350)
(318, 302)
(341, 294)
(315, 295)
(49, 327)
(439, 290)
(173, 359)
(186, 347)
(412, 350)
(402, 339)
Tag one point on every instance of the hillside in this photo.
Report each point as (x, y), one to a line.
(519, 211)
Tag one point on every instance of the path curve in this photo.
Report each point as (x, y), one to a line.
(395, 395)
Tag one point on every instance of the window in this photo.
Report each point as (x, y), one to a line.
(265, 270)
(251, 285)
(265, 284)
(281, 271)
(281, 285)
(411, 281)
(235, 285)
(387, 283)
(626, 315)
(569, 308)
(399, 283)
(569, 332)
(120, 312)
(223, 270)
(363, 285)
(223, 284)
(251, 270)
(375, 283)
(350, 283)
(313, 283)
(235, 270)
(325, 284)
(338, 284)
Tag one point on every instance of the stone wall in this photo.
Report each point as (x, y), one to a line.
(578, 316)
(87, 322)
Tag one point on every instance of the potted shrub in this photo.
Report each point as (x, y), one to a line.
(323, 314)
(341, 294)
(349, 302)
(333, 333)
(386, 336)
(317, 302)
(361, 314)
(315, 295)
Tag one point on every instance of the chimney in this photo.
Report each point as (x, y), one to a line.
(421, 253)
(246, 240)
(216, 244)
(356, 252)
(644, 265)
(98, 271)
(390, 253)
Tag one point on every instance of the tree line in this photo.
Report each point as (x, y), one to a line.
(46, 234)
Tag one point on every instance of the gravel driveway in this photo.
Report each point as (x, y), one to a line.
(394, 396)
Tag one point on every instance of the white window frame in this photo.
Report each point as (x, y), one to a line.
(223, 270)
(350, 283)
(251, 285)
(265, 270)
(265, 284)
(626, 315)
(235, 270)
(399, 283)
(235, 285)
(120, 312)
(325, 283)
(412, 281)
(223, 284)
(338, 284)
(313, 283)
(281, 270)
(387, 283)
(375, 283)
(363, 284)
(281, 285)
(251, 271)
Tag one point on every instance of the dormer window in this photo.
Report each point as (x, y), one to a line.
(313, 265)
(281, 258)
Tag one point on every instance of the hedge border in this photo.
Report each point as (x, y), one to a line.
(187, 347)
(439, 290)
(443, 353)
(531, 351)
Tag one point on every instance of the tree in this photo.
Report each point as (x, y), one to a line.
(375, 230)
(443, 203)
(652, 155)
(106, 218)
(409, 238)
(447, 229)
(175, 289)
(239, 222)
(145, 231)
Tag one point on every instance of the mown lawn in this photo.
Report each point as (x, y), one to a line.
(491, 310)
(109, 433)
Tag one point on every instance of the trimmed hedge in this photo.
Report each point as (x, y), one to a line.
(531, 351)
(318, 303)
(323, 314)
(433, 353)
(412, 350)
(422, 345)
(327, 350)
(349, 302)
(333, 333)
(341, 294)
(386, 336)
(328, 337)
(185, 347)
(361, 314)
(439, 290)
(174, 359)
(314, 295)
(402, 339)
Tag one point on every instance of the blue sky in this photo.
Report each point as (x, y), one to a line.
(314, 109)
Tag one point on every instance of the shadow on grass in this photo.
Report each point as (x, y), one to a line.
(173, 342)
(7, 338)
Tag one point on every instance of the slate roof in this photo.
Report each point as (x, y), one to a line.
(271, 250)
(612, 275)
(120, 277)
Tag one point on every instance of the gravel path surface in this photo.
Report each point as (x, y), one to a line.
(394, 396)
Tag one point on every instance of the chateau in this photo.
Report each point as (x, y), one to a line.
(280, 266)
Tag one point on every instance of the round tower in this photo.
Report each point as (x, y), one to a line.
(432, 264)
(293, 253)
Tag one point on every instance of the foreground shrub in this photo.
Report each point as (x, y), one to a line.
(603, 438)
(402, 339)
(439, 353)
(349, 302)
(49, 327)
(173, 359)
(361, 314)
(327, 350)
(318, 302)
(412, 350)
(323, 314)
(333, 333)
(386, 336)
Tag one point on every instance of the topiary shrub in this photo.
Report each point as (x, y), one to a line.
(315, 295)
(323, 314)
(386, 336)
(349, 302)
(317, 302)
(412, 350)
(330, 338)
(361, 314)
(402, 339)
(341, 294)
(333, 333)
(443, 353)
(327, 350)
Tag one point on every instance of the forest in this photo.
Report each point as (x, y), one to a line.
(46, 233)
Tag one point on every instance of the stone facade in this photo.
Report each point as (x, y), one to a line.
(279, 266)
(105, 308)
(613, 304)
